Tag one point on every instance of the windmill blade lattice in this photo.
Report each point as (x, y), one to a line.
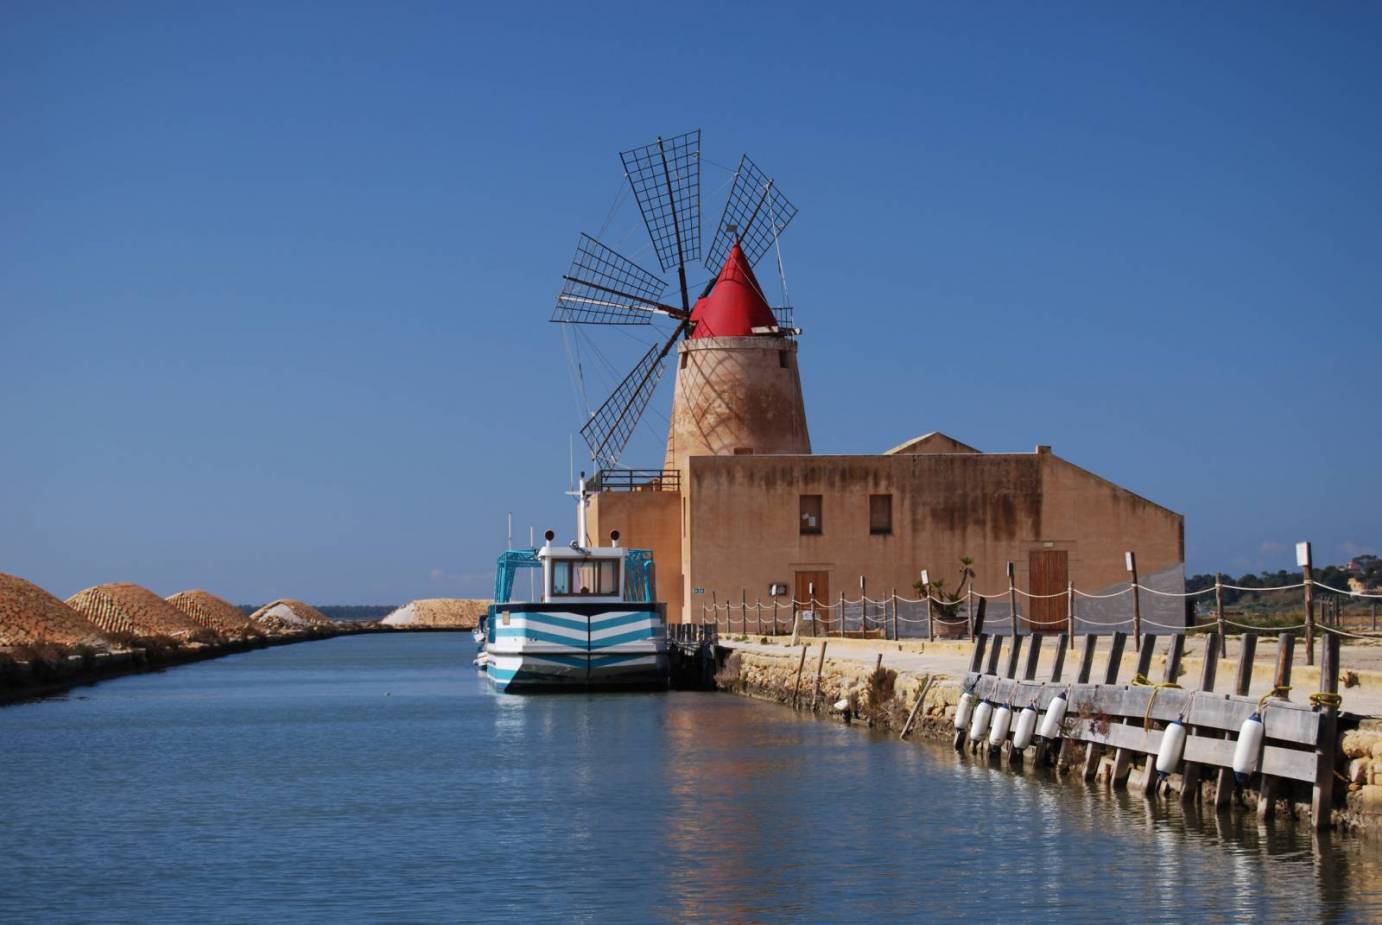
(666, 181)
(755, 214)
(604, 287)
(612, 425)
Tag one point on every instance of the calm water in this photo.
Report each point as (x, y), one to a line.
(376, 779)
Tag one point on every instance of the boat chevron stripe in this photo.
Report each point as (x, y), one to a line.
(635, 636)
(532, 635)
(614, 621)
(550, 619)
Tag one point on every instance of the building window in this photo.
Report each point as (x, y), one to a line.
(810, 514)
(682, 365)
(743, 451)
(880, 514)
(782, 358)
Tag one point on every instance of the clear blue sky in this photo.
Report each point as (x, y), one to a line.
(275, 279)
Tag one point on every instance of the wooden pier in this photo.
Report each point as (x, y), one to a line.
(1121, 724)
(693, 649)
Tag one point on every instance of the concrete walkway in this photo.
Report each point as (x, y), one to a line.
(1360, 679)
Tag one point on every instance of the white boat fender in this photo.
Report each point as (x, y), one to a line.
(964, 710)
(980, 724)
(1172, 747)
(1051, 722)
(1248, 752)
(999, 725)
(1026, 725)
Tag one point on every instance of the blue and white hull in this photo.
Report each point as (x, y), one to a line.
(552, 646)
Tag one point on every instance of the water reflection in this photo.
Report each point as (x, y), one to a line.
(378, 779)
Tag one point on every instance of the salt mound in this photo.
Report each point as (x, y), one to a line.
(287, 613)
(212, 612)
(122, 607)
(447, 612)
(31, 616)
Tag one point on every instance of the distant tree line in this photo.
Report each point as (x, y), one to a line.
(1335, 576)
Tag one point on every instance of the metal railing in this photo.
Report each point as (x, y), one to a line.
(635, 480)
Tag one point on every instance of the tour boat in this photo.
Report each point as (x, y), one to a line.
(597, 626)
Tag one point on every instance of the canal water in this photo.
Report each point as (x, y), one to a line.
(376, 779)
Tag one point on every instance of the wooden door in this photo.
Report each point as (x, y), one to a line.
(1049, 571)
(802, 592)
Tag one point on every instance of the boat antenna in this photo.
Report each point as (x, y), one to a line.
(510, 519)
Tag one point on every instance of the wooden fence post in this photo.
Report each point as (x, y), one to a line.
(1304, 560)
(841, 614)
(1012, 598)
(796, 691)
(1219, 613)
(1131, 559)
(930, 617)
(1070, 613)
(892, 597)
(1322, 800)
(820, 667)
(969, 611)
(863, 609)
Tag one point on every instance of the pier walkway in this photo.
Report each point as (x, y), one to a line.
(1360, 687)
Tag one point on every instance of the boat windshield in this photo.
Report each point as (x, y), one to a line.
(579, 577)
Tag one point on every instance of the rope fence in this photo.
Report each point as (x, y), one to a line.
(1085, 612)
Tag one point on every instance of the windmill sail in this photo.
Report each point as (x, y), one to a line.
(666, 181)
(604, 287)
(612, 425)
(755, 214)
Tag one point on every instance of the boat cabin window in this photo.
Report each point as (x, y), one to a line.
(585, 577)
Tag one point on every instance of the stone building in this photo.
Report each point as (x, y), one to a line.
(742, 508)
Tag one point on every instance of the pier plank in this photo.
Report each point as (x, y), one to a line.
(1033, 656)
(997, 647)
(1223, 793)
(1014, 655)
(1059, 664)
(1091, 642)
(1192, 770)
(1115, 658)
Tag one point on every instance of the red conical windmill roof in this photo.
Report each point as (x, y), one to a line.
(735, 305)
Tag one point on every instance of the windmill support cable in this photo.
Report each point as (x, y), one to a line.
(656, 364)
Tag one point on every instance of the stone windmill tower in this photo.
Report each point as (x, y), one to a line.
(738, 390)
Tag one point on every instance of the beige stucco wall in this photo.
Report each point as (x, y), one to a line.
(742, 522)
(645, 520)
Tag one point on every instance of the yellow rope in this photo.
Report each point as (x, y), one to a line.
(1156, 689)
(1324, 699)
(1280, 691)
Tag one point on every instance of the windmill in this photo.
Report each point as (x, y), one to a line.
(603, 287)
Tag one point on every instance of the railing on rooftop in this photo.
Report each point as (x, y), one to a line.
(635, 480)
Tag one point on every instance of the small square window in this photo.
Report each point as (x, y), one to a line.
(880, 514)
(810, 514)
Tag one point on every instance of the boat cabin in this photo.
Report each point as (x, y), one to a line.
(576, 575)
